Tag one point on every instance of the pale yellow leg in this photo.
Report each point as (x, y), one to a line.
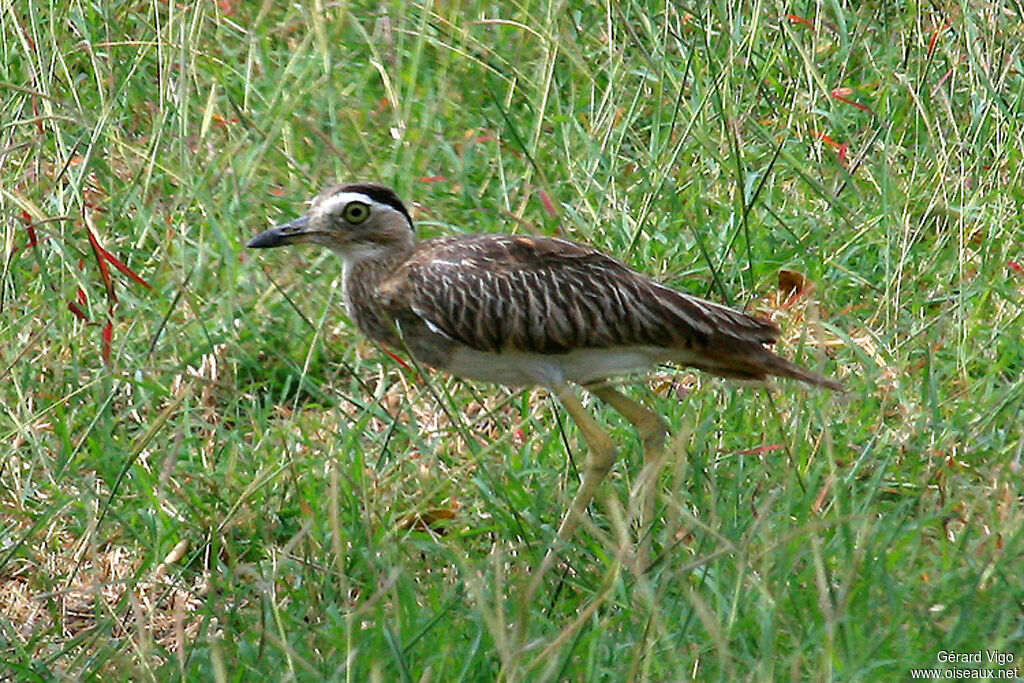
(652, 430)
(600, 458)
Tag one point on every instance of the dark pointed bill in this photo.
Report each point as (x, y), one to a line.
(280, 235)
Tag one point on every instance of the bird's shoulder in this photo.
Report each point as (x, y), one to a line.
(441, 267)
(507, 254)
(550, 295)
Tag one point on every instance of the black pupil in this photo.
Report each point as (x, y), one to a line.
(356, 211)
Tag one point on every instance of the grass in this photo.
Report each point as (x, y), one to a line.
(213, 476)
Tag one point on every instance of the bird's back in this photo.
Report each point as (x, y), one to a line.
(547, 298)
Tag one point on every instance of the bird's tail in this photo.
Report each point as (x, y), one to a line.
(780, 367)
(754, 361)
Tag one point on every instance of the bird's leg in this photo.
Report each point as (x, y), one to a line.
(600, 458)
(652, 430)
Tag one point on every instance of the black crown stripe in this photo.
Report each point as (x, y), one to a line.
(380, 194)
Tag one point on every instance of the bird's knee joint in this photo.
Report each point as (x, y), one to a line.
(602, 458)
(653, 431)
(600, 469)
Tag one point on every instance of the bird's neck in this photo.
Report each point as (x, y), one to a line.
(364, 269)
(371, 263)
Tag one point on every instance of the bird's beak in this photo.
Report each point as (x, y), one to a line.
(292, 232)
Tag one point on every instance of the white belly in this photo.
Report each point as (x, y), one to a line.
(581, 366)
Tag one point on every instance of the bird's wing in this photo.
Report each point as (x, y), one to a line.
(547, 295)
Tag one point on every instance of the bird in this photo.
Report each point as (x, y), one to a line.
(521, 311)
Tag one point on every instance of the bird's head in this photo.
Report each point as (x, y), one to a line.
(355, 221)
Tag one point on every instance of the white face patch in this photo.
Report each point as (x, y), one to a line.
(337, 202)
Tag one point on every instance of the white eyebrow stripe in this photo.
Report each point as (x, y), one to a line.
(336, 201)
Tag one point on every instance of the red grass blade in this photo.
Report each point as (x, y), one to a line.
(123, 268)
(79, 313)
(103, 257)
(108, 333)
(820, 135)
(946, 25)
(97, 250)
(843, 149)
(795, 19)
(843, 155)
(843, 95)
(768, 448)
(33, 240)
(397, 359)
(549, 205)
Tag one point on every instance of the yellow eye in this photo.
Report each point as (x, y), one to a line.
(356, 212)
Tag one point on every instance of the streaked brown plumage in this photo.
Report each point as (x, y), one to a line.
(547, 296)
(527, 310)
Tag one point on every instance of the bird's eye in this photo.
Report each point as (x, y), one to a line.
(356, 212)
